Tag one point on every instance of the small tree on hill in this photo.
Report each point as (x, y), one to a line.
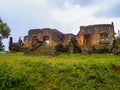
(74, 46)
(4, 33)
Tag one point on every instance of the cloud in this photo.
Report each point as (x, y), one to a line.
(61, 14)
(82, 3)
(22, 15)
(109, 9)
(85, 3)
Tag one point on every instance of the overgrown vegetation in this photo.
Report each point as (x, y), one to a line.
(2, 48)
(40, 49)
(71, 47)
(66, 71)
(74, 47)
(4, 33)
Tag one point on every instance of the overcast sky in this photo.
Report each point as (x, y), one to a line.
(65, 15)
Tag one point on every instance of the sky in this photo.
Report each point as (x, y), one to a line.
(64, 15)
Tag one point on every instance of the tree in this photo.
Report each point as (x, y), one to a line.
(74, 46)
(4, 33)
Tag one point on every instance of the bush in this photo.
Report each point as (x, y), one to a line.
(116, 46)
(1, 48)
(102, 49)
(88, 50)
(77, 48)
(73, 46)
(60, 48)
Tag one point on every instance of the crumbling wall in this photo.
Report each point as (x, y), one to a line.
(94, 32)
(54, 35)
(67, 38)
(87, 36)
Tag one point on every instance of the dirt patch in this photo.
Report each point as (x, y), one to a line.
(116, 68)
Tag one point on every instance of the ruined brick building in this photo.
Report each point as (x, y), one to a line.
(47, 35)
(96, 34)
(87, 35)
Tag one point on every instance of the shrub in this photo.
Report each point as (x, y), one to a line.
(60, 48)
(1, 48)
(73, 46)
(88, 50)
(116, 46)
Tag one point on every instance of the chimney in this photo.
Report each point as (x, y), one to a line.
(112, 23)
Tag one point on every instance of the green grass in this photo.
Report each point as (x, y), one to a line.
(63, 72)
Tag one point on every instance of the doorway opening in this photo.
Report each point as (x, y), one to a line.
(87, 39)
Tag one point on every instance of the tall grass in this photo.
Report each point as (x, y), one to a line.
(66, 71)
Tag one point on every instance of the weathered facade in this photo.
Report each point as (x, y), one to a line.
(47, 35)
(87, 36)
(96, 34)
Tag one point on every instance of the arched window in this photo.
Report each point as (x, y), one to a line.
(46, 39)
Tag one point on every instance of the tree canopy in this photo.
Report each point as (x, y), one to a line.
(4, 33)
(4, 29)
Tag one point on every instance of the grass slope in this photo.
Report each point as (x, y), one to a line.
(41, 50)
(66, 71)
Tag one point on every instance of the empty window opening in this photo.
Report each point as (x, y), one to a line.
(46, 39)
(104, 36)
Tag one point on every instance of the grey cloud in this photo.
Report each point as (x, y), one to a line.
(85, 2)
(57, 3)
(82, 3)
(112, 12)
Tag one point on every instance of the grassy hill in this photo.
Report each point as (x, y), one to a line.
(63, 72)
